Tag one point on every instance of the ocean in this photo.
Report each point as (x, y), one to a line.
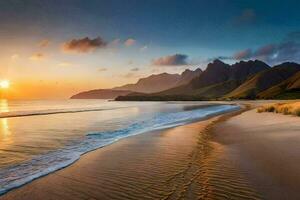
(40, 136)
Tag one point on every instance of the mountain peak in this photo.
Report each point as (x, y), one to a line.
(218, 61)
(188, 71)
(217, 65)
(243, 69)
(160, 82)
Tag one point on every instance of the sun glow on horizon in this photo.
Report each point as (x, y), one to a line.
(4, 84)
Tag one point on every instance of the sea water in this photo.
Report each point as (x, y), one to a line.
(39, 137)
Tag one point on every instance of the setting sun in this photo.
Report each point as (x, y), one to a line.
(4, 84)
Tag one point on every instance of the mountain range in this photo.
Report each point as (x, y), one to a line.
(242, 80)
(151, 84)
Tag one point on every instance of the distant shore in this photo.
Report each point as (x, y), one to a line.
(232, 155)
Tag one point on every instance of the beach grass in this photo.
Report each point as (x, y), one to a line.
(284, 108)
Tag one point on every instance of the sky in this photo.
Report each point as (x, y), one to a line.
(56, 48)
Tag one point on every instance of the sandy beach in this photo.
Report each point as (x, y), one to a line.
(265, 147)
(181, 162)
(234, 156)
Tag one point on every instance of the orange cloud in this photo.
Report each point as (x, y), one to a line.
(84, 45)
(171, 60)
(129, 42)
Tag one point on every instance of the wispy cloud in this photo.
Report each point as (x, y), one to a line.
(129, 42)
(286, 50)
(84, 45)
(272, 53)
(244, 54)
(171, 60)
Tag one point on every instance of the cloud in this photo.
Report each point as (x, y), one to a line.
(272, 53)
(171, 60)
(129, 42)
(44, 43)
(102, 69)
(135, 69)
(248, 16)
(244, 54)
(84, 45)
(37, 57)
(287, 50)
(64, 64)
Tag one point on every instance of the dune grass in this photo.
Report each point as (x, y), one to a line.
(284, 108)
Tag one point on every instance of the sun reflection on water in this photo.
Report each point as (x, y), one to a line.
(4, 125)
(4, 106)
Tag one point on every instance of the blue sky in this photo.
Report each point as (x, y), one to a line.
(160, 31)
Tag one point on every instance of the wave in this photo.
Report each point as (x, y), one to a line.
(18, 175)
(52, 111)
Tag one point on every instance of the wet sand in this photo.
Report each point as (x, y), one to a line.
(177, 163)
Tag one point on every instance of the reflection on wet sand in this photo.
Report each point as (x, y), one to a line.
(4, 128)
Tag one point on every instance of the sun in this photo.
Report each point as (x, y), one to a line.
(4, 84)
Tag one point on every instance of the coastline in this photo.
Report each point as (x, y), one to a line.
(168, 152)
(239, 155)
(23, 174)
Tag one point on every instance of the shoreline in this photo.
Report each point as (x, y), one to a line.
(19, 192)
(226, 156)
(129, 137)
